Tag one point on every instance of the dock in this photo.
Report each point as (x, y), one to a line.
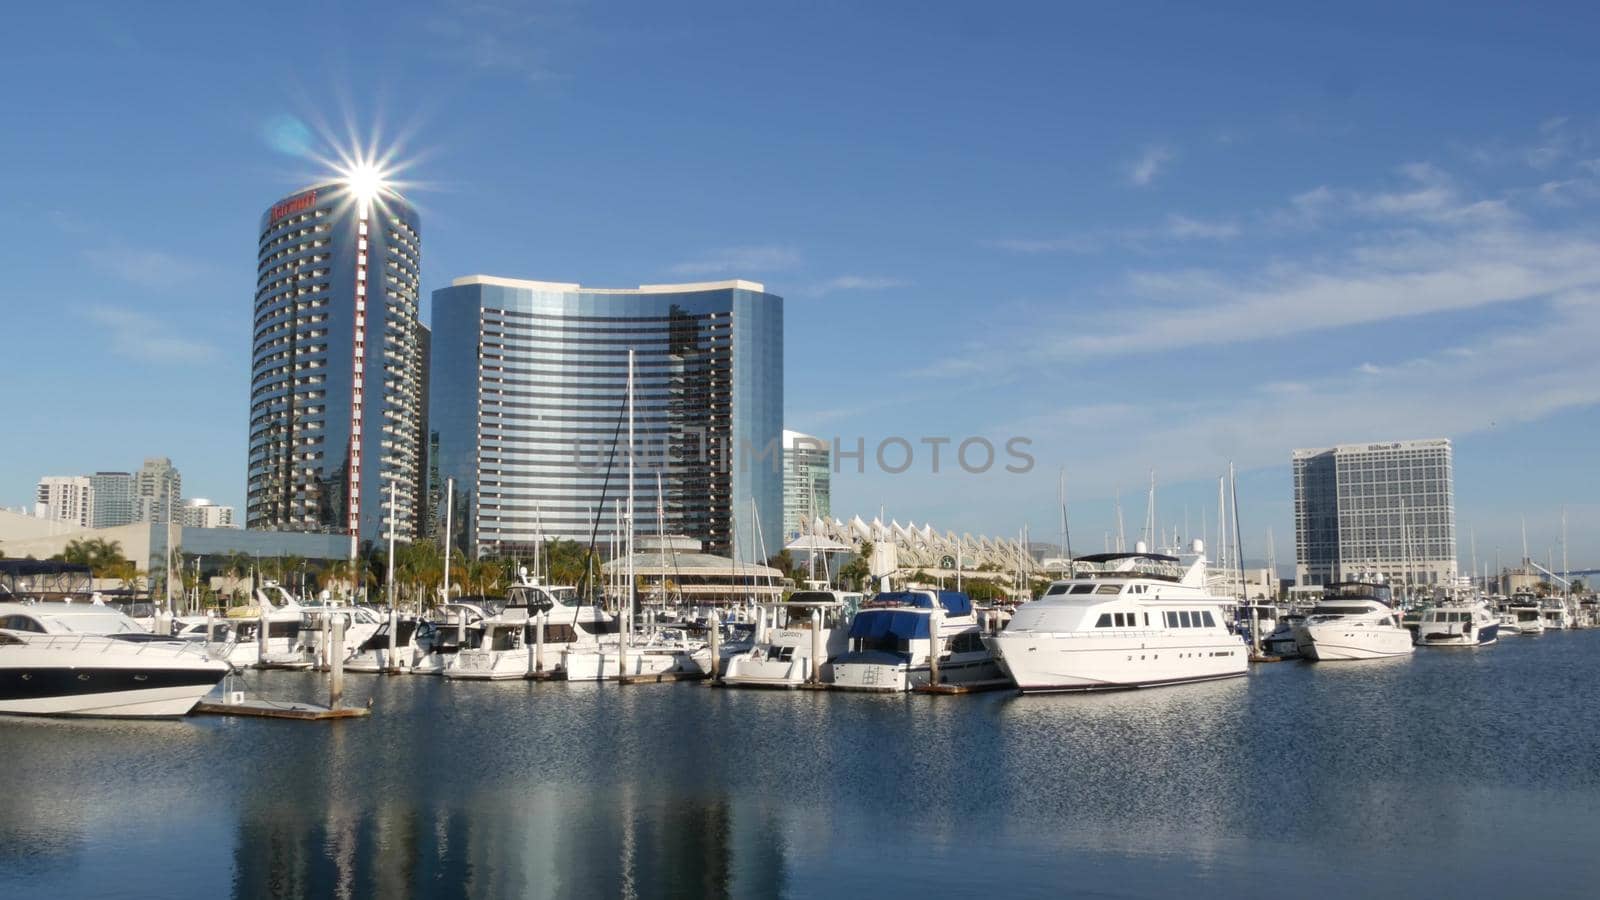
(279, 709)
(1264, 658)
(547, 675)
(970, 687)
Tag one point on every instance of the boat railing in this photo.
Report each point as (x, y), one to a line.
(107, 643)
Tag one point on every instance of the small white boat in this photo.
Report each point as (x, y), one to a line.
(1353, 621)
(88, 660)
(894, 636)
(1281, 642)
(807, 630)
(1458, 625)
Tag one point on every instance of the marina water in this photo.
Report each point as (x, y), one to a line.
(1468, 773)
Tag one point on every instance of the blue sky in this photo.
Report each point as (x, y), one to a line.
(1146, 236)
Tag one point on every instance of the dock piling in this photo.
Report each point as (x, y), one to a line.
(335, 647)
(714, 631)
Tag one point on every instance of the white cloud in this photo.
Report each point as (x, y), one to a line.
(1176, 228)
(1143, 170)
(143, 338)
(737, 260)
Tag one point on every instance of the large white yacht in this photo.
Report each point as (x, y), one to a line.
(1353, 621)
(806, 631)
(1458, 625)
(892, 639)
(1126, 620)
(68, 659)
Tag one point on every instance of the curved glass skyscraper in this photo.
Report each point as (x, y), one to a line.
(528, 393)
(338, 377)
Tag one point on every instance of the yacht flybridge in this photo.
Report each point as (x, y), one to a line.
(90, 660)
(1126, 620)
(1353, 621)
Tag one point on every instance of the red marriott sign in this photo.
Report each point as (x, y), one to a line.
(294, 204)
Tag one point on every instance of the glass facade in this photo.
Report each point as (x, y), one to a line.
(1365, 510)
(807, 463)
(337, 366)
(528, 397)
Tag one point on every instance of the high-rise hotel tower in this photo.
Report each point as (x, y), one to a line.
(529, 401)
(338, 364)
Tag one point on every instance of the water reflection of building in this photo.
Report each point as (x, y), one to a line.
(480, 833)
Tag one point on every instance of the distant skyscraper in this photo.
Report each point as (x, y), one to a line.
(198, 512)
(528, 392)
(157, 491)
(807, 470)
(113, 499)
(1365, 510)
(65, 498)
(337, 378)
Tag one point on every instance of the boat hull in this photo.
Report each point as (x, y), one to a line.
(107, 691)
(889, 678)
(604, 665)
(1335, 642)
(1044, 663)
(1483, 637)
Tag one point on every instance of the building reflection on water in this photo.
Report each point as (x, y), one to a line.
(506, 841)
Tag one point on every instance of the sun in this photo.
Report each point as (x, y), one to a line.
(367, 183)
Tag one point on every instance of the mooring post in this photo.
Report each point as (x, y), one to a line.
(538, 643)
(933, 643)
(714, 629)
(261, 637)
(336, 655)
(817, 614)
(389, 664)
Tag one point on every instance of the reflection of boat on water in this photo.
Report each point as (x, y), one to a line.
(894, 636)
(1353, 621)
(1131, 620)
(807, 631)
(85, 660)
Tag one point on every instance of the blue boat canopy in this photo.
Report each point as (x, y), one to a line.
(883, 624)
(955, 603)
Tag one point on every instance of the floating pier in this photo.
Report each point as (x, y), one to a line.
(1264, 658)
(970, 687)
(279, 709)
(547, 675)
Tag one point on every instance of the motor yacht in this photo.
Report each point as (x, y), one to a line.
(509, 638)
(894, 637)
(373, 654)
(88, 660)
(806, 631)
(1125, 620)
(1281, 642)
(1553, 611)
(1523, 615)
(1458, 625)
(1353, 621)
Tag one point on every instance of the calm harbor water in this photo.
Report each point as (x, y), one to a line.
(1472, 773)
